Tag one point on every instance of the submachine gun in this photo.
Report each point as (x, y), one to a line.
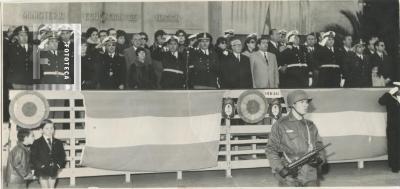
(292, 168)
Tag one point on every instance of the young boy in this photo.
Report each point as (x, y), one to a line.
(47, 156)
(18, 170)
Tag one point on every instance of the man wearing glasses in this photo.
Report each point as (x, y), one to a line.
(235, 68)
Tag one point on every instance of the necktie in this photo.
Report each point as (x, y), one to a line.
(238, 57)
(381, 57)
(265, 56)
(49, 143)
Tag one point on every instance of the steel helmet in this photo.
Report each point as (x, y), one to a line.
(296, 96)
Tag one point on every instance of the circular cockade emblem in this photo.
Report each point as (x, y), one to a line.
(252, 106)
(28, 109)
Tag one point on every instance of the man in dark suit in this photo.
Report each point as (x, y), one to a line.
(130, 57)
(20, 71)
(205, 70)
(47, 156)
(358, 68)
(235, 68)
(111, 71)
(383, 62)
(310, 49)
(345, 52)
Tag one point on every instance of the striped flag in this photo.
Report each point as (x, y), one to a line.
(152, 131)
(351, 119)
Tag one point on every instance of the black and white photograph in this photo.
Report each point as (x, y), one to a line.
(200, 94)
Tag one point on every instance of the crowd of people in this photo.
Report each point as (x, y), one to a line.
(111, 60)
(182, 61)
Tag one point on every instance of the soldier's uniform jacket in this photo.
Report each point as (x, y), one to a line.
(111, 73)
(206, 68)
(296, 75)
(174, 71)
(20, 70)
(52, 68)
(289, 140)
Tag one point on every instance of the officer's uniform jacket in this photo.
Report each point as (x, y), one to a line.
(111, 71)
(205, 69)
(296, 75)
(174, 71)
(52, 68)
(20, 69)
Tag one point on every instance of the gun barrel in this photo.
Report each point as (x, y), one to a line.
(303, 160)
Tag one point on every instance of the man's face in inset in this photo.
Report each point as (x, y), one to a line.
(66, 35)
(53, 44)
(22, 37)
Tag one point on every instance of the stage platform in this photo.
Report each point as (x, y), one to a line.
(341, 174)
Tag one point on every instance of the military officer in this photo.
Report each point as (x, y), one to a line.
(206, 68)
(20, 71)
(173, 62)
(297, 70)
(291, 137)
(111, 73)
(52, 63)
(358, 68)
(66, 46)
(330, 70)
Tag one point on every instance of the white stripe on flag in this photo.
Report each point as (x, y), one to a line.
(123, 132)
(350, 123)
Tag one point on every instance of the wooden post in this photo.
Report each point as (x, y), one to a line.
(72, 141)
(360, 164)
(179, 175)
(127, 177)
(228, 172)
(254, 147)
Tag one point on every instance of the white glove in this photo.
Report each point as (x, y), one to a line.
(393, 90)
(310, 81)
(342, 81)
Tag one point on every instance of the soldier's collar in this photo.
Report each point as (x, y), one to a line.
(291, 117)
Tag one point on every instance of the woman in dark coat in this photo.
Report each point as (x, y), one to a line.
(391, 100)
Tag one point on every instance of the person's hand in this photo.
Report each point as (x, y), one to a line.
(310, 81)
(394, 90)
(283, 68)
(121, 87)
(342, 81)
(30, 176)
(316, 162)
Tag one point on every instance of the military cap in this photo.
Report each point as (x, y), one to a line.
(290, 35)
(65, 27)
(204, 35)
(171, 38)
(109, 39)
(193, 36)
(252, 35)
(21, 29)
(296, 96)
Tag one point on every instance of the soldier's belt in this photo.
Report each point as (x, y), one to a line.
(53, 73)
(297, 65)
(173, 70)
(330, 66)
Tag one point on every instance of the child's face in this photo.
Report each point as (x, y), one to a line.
(29, 139)
(48, 130)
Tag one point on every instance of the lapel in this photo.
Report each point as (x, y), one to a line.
(44, 143)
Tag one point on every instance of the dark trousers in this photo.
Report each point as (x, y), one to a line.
(329, 78)
(393, 145)
(296, 77)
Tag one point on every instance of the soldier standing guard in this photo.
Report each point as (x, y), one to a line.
(206, 68)
(291, 137)
(297, 70)
(20, 71)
